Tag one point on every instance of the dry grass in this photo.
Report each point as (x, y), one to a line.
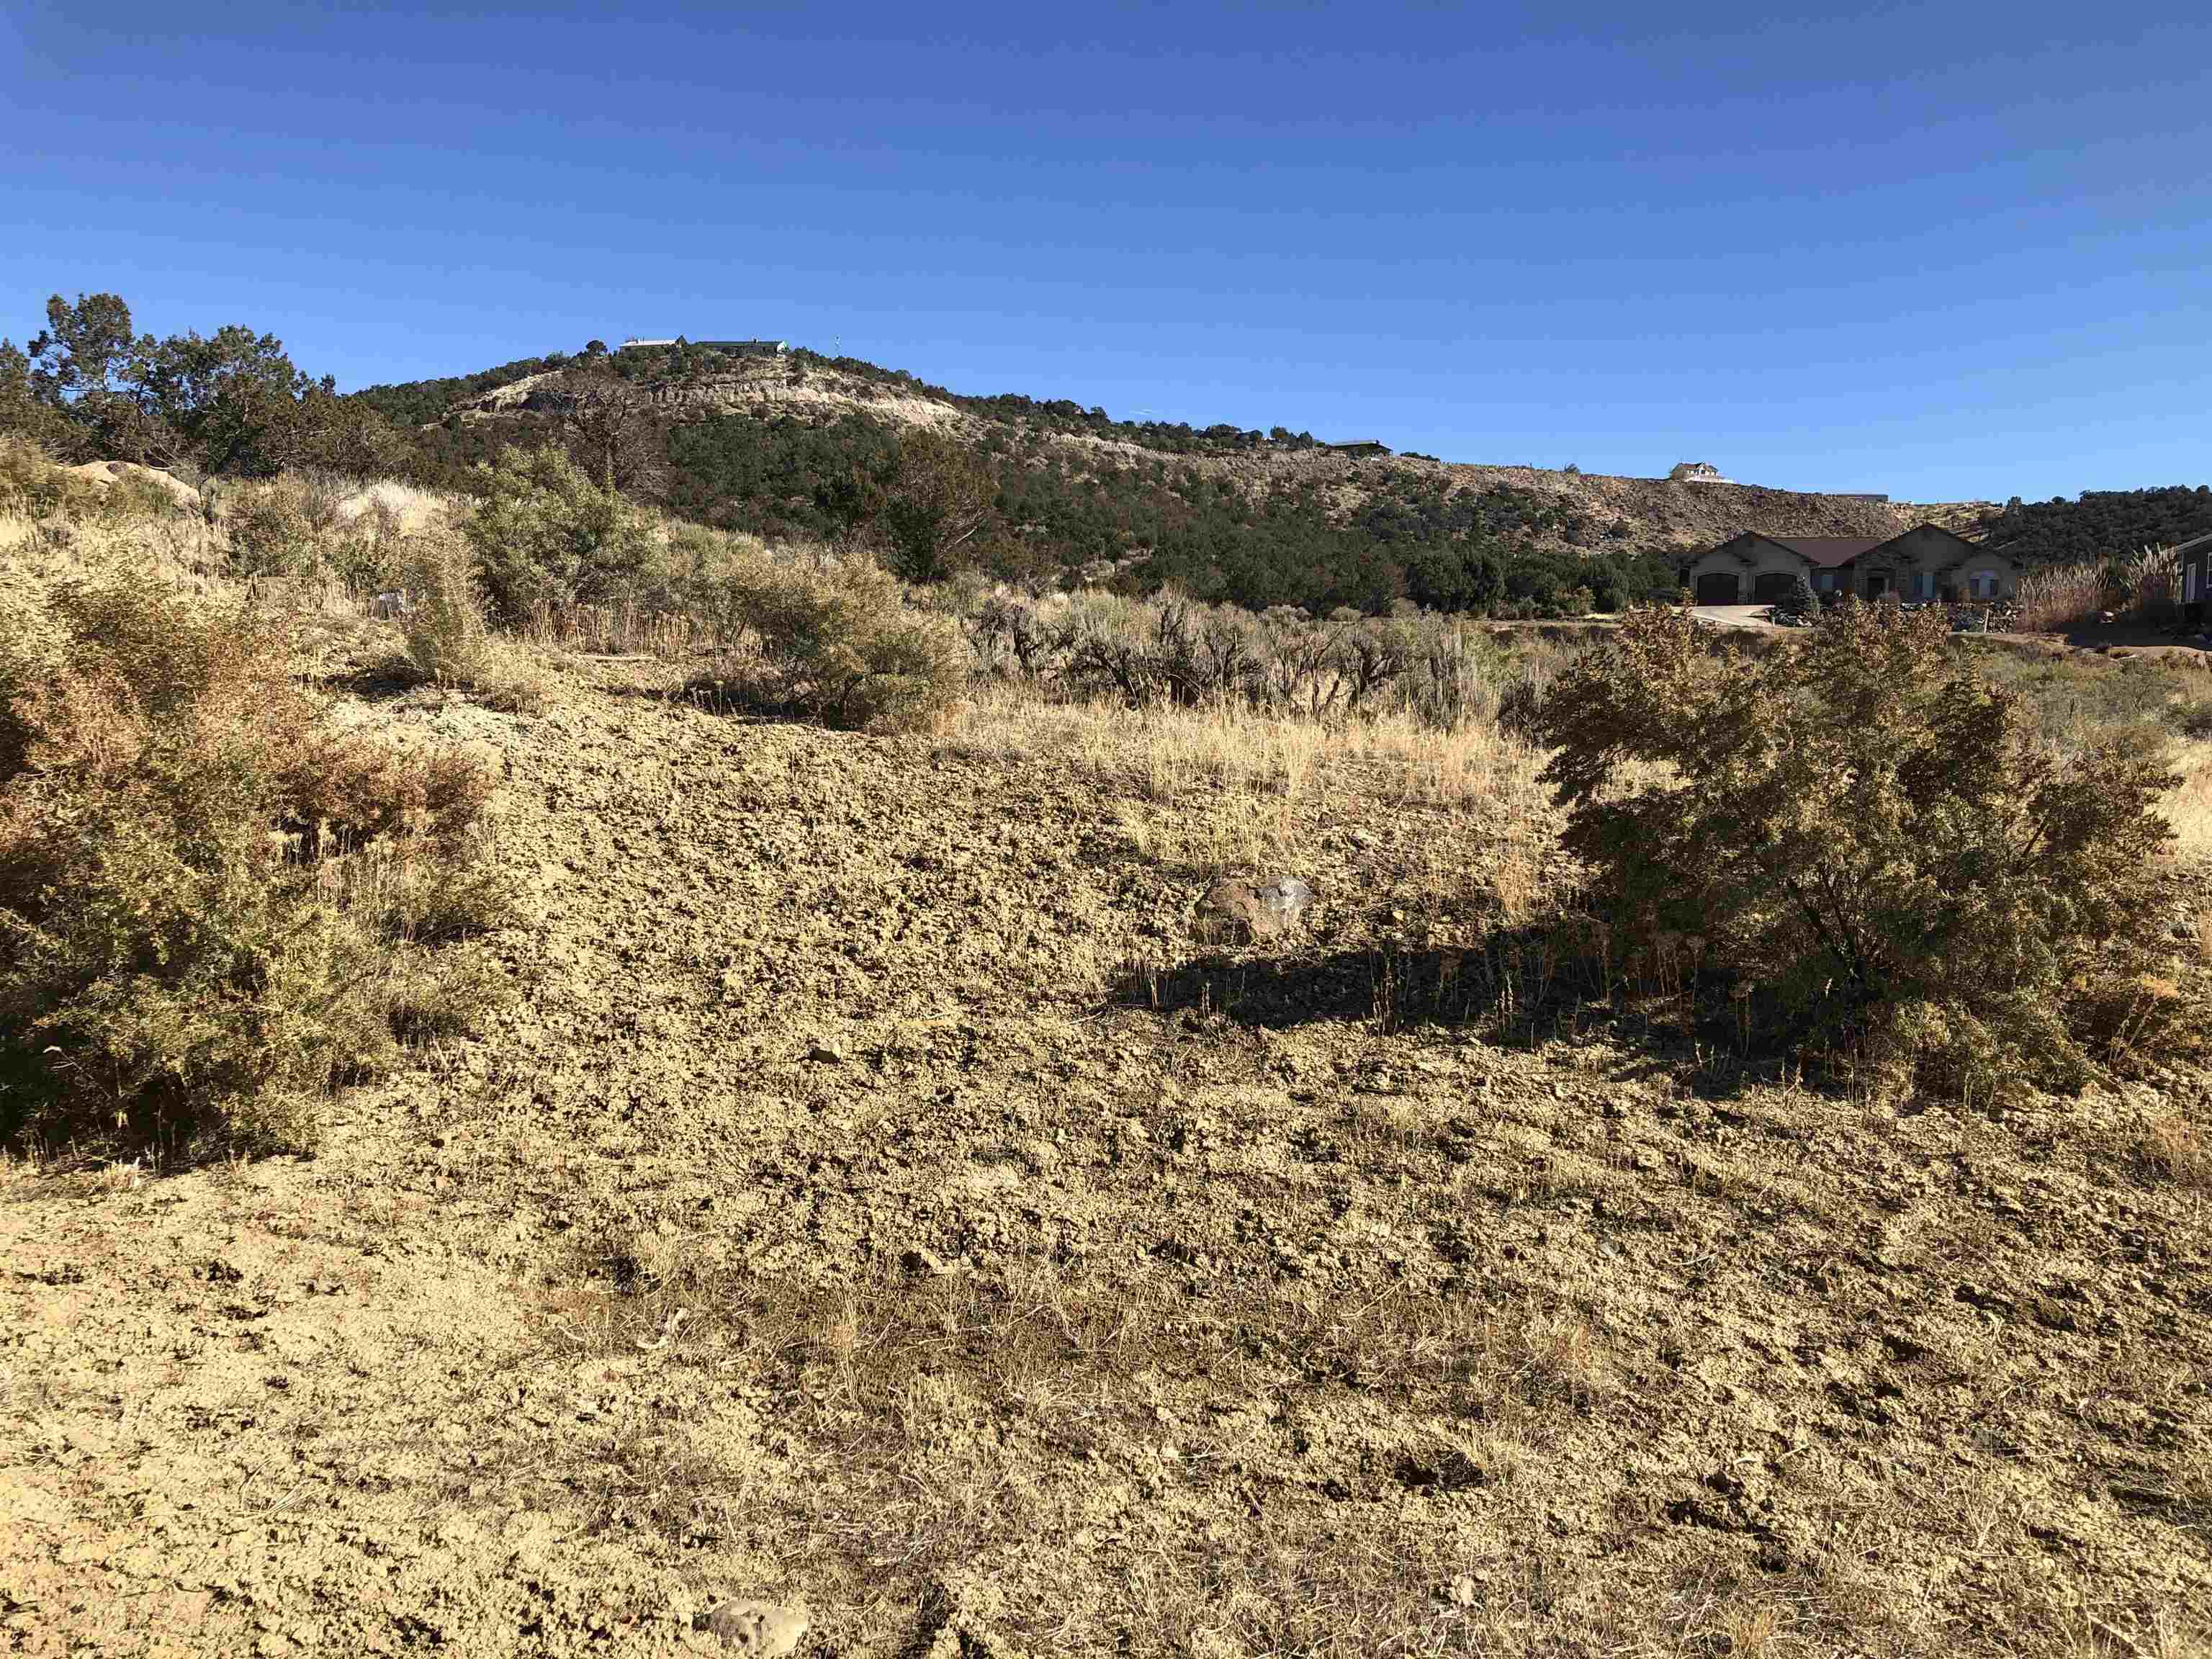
(412, 509)
(2188, 805)
(2142, 587)
(2061, 596)
(2176, 1149)
(954, 1400)
(1168, 756)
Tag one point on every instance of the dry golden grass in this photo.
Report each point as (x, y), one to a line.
(1168, 755)
(2188, 806)
(2179, 1150)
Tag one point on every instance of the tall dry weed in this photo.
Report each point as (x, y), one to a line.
(449, 637)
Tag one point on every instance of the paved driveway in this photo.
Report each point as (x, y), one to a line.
(1733, 615)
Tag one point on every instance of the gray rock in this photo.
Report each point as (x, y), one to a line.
(1260, 912)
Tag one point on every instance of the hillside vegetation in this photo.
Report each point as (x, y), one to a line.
(805, 446)
(2097, 526)
(814, 448)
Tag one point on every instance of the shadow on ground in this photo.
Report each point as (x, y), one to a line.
(1523, 1006)
(1397, 987)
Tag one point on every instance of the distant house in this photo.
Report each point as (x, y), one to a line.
(1360, 446)
(729, 348)
(1926, 562)
(1697, 472)
(2195, 556)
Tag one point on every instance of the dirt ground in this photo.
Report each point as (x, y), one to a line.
(883, 1199)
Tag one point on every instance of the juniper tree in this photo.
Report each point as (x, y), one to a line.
(1875, 850)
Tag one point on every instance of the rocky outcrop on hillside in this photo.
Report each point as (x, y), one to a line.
(765, 388)
(1692, 510)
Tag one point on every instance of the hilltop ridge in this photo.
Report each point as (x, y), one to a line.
(1686, 512)
(768, 443)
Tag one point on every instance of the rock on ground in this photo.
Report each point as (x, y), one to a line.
(1263, 912)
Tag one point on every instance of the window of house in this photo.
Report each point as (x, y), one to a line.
(1825, 581)
(2188, 585)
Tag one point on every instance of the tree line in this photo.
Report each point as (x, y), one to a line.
(89, 387)
(2097, 524)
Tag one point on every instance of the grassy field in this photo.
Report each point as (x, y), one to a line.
(884, 1193)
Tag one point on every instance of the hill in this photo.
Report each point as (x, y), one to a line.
(776, 445)
(2097, 524)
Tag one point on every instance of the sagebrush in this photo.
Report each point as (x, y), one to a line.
(213, 904)
(1865, 844)
(826, 638)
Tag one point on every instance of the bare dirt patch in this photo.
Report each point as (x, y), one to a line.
(883, 1197)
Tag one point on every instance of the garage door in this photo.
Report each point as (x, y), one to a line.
(1771, 585)
(1717, 587)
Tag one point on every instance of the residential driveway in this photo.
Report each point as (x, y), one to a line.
(1733, 615)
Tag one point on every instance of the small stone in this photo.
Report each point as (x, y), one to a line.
(767, 1629)
(1260, 912)
(1461, 1591)
(823, 1054)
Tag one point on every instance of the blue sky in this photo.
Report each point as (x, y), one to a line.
(1945, 251)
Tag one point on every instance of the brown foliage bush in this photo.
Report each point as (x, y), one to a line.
(1873, 849)
(211, 904)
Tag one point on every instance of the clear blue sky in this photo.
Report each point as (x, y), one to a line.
(1940, 250)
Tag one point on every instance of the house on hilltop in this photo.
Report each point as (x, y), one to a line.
(728, 348)
(1358, 447)
(1926, 562)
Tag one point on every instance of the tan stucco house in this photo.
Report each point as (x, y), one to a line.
(1926, 562)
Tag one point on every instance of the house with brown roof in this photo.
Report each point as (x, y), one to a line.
(1926, 562)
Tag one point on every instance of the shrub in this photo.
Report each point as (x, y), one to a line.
(1875, 850)
(836, 640)
(939, 498)
(365, 551)
(272, 532)
(448, 637)
(1798, 605)
(205, 909)
(545, 535)
(32, 485)
(1521, 710)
